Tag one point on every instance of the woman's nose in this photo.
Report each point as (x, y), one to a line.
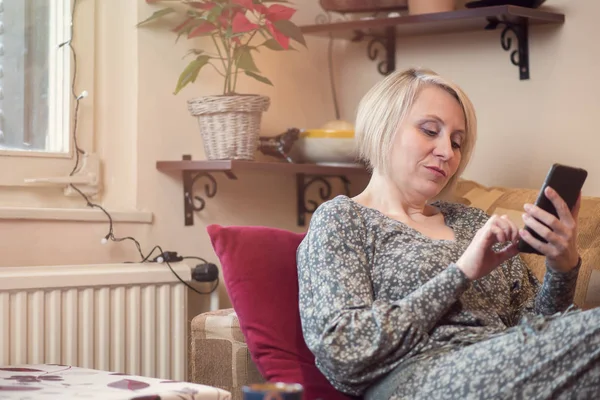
(444, 149)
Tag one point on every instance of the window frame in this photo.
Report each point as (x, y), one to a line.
(30, 164)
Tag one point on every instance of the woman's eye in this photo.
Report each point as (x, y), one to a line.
(456, 145)
(429, 132)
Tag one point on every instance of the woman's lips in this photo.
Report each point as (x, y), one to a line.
(437, 171)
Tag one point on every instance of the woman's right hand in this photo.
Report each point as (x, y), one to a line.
(479, 259)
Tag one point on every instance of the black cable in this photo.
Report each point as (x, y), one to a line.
(182, 281)
(78, 151)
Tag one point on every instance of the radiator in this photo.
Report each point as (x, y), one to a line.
(128, 318)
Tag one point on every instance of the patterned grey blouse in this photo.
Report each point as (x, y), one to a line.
(375, 292)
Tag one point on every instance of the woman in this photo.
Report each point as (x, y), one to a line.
(405, 295)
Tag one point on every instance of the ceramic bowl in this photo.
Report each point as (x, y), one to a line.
(326, 146)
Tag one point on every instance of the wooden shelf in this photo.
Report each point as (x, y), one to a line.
(466, 20)
(234, 166)
(306, 175)
(384, 31)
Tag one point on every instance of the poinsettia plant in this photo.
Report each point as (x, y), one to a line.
(238, 28)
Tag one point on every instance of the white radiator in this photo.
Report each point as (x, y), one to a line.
(129, 318)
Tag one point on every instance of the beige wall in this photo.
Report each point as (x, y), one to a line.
(524, 125)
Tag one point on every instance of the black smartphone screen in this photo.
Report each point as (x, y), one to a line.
(567, 182)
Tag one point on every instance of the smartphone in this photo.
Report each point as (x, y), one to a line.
(567, 182)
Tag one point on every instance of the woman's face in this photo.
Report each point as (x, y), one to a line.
(426, 151)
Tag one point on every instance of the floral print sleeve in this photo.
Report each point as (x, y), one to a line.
(530, 297)
(355, 336)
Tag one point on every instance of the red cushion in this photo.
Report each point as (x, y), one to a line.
(259, 270)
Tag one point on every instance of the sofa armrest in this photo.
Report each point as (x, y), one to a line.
(219, 355)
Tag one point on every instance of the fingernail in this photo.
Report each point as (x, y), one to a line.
(525, 216)
(527, 207)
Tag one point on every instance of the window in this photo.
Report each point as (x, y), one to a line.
(36, 100)
(36, 172)
(34, 75)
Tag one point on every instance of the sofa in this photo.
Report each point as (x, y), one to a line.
(260, 337)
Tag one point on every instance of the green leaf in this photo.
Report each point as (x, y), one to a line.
(214, 14)
(272, 44)
(190, 73)
(244, 60)
(259, 78)
(157, 14)
(289, 29)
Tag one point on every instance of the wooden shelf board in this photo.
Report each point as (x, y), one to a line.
(435, 23)
(240, 166)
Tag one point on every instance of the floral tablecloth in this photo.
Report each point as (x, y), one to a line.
(63, 382)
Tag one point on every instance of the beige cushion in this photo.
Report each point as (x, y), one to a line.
(219, 355)
(501, 200)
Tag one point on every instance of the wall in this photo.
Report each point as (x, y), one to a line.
(524, 125)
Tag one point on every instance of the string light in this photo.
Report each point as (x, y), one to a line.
(79, 151)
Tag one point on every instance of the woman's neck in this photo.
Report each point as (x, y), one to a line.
(383, 195)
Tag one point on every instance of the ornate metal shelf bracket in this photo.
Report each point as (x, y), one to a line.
(304, 182)
(193, 203)
(385, 41)
(520, 29)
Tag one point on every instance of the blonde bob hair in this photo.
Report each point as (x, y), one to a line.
(384, 107)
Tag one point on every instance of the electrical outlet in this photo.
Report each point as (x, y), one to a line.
(592, 296)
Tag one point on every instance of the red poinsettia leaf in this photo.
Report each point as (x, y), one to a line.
(228, 12)
(16, 369)
(261, 8)
(128, 384)
(227, 15)
(283, 40)
(202, 29)
(241, 24)
(247, 4)
(277, 12)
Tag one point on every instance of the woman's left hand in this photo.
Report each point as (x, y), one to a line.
(561, 233)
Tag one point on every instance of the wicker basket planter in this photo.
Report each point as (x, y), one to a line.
(229, 125)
